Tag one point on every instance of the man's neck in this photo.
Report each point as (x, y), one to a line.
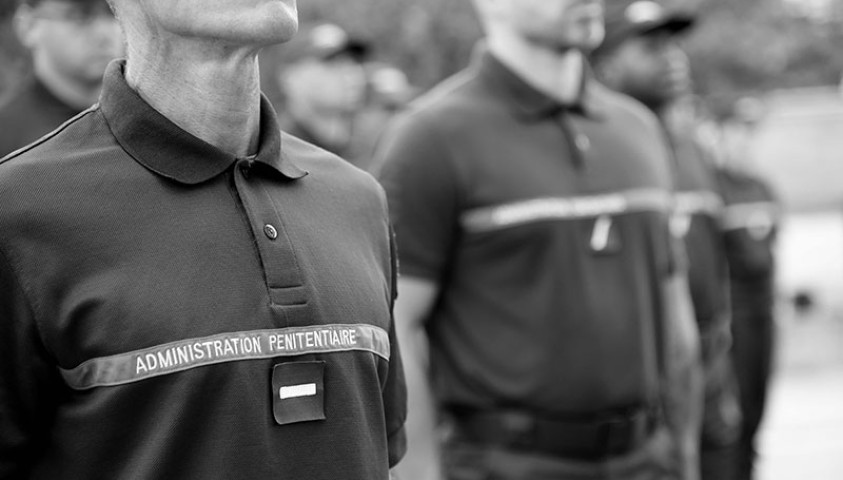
(76, 94)
(662, 108)
(211, 92)
(558, 74)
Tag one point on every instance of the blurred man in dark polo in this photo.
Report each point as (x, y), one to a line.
(324, 83)
(542, 306)
(642, 57)
(71, 42)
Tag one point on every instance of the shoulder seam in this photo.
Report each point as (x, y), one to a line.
(50, 135)
(437, 96)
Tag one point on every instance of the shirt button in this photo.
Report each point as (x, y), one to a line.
(270, 231)
(583, 142)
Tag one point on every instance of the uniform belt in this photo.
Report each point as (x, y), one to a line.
(592, 437)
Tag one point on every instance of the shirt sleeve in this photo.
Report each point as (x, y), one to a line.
(421, 188)
(395, 390)
(29, 380)
(395, 400)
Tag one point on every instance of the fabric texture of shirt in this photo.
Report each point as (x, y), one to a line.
(546, 228)
(171, 311)
(31, 112)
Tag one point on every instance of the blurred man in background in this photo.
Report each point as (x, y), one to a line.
(324, 84)
(543, 310)
(71, 42)
(389, 92)
(750, 220)
(642, 57)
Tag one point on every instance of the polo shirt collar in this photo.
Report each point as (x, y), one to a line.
(528, 101)
(164, 148)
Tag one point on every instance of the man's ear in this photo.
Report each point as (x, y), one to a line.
(27, 26)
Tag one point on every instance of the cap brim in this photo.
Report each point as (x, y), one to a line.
(672, 24)
(356, 49)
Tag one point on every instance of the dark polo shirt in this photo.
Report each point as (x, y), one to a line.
(171, 311)
(31, 112)
(547, 230)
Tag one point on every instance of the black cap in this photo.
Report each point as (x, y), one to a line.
(324, 42)
(640, 18)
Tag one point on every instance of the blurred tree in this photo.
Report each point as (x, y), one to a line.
(752, 46)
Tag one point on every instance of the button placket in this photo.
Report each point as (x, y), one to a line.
(578, 143)
(278, 259)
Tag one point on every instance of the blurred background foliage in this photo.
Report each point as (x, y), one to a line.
(740, 47)
(753, 46)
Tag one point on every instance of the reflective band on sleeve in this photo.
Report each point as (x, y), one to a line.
(750, 215)
(553, 208)
(699, 202)
(225, 347)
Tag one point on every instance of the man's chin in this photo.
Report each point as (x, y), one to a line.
(282, 18)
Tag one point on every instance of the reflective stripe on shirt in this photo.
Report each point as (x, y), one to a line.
(698, 202)
(558, 208)
(749, 215)
(225, 347)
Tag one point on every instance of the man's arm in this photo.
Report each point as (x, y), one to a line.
(415, 299)
(29, 379)
(423, 190)
(683, 382)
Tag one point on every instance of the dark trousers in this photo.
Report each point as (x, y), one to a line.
(753, 335)
(722, 423)
(652, 461)
(719, 462)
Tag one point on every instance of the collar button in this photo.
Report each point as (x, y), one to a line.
(246, 167)
(270, 231)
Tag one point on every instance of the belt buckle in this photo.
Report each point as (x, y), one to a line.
(623, 432)
(521, 431)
